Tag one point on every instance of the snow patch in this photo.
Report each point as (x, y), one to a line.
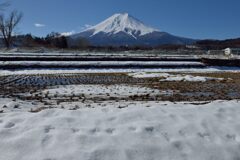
(190, 78)
(110, 90)
(173, 77)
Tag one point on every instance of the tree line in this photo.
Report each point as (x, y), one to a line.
(218, 44)
(52, 40)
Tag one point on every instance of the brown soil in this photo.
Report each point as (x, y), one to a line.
(227, 89)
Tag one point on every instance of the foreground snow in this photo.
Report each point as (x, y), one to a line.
(163, 131)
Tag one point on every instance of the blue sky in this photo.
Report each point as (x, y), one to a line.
(215, 19)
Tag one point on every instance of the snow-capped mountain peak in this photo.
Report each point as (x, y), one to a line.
(122, 22)
(124, 30)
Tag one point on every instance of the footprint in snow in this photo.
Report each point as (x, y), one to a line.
(231, 137)
(110, 130)
(94, 130)
(111, 119)
(203, 135)
(173, 116)
(178, 145)
(9, 125)
(46, 140)
(75, 130)
(47, 129)
(133, 129)
(149, 129)
(182, 133)
(166, 136)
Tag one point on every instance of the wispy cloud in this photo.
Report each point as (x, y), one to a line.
(39, 25)
(86, 26)
(68, 33)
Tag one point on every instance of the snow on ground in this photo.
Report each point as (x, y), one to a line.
(90, 92)
(148, 75)
(172, 77)
(108, 70)
(162, 131)
(190, 78)
(110, 90)
(15, 105)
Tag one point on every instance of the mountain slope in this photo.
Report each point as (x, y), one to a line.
(123, 29)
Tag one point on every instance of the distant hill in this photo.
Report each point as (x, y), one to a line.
(218, 44)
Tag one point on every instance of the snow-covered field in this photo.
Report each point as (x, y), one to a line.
(102, 122)
(109, 70)
(162, 131)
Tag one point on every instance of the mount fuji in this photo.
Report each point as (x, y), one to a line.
(125, 30)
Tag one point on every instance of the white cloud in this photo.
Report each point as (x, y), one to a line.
(39, 25)
(86, 26)
(68, 33)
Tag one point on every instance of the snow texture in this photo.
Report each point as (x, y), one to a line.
(162, 131)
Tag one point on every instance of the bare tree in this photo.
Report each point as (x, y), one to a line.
(7, 26)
